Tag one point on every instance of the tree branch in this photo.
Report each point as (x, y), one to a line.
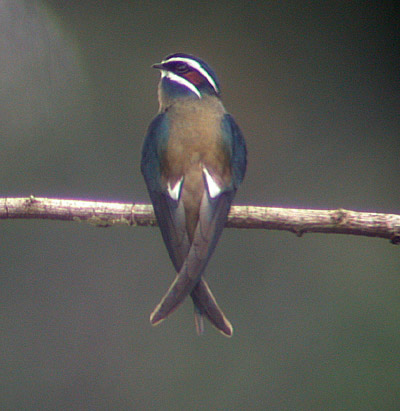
(297, 221)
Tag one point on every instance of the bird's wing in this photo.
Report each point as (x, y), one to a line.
(234, 139)
(190, 260)
(168, 210)
(206, 305)
(212, 218)
(201, 294)
(214, 209)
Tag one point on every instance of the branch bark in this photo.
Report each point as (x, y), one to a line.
(298, 221)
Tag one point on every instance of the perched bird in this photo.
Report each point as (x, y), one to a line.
(193, 160)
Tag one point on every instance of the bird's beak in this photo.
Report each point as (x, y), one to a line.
(158, 66)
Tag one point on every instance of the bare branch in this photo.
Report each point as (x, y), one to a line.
(297, 221)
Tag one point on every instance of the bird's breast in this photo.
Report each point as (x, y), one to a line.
(195, 144)
(195, 140)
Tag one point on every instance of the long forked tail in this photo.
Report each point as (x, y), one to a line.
(185, 281)
(206, 305)
(204, 302)
(189, 279)
(174, 297)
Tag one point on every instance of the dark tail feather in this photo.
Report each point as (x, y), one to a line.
(205, 304)
(198, 321)
(203, 299)
(174, 297)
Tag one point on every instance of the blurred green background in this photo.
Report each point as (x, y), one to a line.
(315, 89)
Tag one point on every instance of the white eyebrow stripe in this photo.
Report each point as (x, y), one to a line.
(178, 79)
(213, 188)
(195, 65)
(175, 192)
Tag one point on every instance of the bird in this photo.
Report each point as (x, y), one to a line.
(194, 158)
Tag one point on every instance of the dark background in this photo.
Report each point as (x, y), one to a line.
(315, 89)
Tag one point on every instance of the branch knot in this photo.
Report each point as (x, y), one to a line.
(298, 221)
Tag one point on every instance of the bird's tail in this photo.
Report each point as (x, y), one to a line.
(206, 305)
(204, 302)
(174, 297)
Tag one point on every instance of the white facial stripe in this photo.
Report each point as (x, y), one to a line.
(195, 65)
(213, 188)
(180, 80)
(175, 192)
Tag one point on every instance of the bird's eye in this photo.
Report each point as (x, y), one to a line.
(181, 68)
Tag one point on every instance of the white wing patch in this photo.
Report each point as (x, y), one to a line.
(175, 191)
(214, 189)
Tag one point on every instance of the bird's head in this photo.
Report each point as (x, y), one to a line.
(185, 76)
